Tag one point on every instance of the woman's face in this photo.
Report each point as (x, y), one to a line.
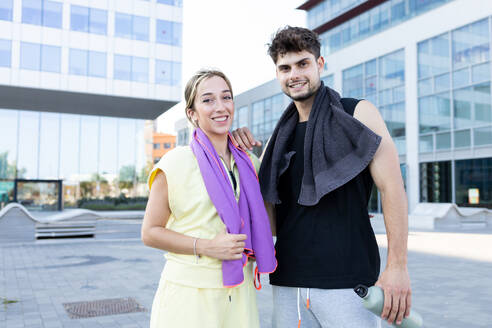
(213, 106)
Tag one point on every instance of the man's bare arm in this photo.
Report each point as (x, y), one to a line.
(385, 171)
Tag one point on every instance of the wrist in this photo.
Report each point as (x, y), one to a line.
(202, 245)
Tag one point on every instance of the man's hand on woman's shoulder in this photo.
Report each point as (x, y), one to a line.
(242, 137)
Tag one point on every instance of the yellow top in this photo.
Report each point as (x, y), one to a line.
(192, 214)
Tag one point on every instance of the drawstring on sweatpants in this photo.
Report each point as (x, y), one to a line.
(230, 292)
(299, 305)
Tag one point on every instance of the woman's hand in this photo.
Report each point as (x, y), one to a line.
(224, 246)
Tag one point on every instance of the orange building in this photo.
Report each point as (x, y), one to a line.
(162, 143)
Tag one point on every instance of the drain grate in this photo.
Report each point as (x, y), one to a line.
(98, 308)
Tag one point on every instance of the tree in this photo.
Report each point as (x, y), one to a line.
(7, 171)
(127, 177)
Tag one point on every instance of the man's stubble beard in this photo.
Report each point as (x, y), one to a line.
(306, 96)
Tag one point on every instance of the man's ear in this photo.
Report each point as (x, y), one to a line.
(321, 64)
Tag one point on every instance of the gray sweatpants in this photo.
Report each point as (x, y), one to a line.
(328, 308)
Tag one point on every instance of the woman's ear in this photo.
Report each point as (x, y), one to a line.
(192, 116)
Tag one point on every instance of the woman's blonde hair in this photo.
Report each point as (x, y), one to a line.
(193, 83)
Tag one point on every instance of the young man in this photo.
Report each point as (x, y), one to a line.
(316, 176)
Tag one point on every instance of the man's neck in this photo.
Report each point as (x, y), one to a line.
(304, 108)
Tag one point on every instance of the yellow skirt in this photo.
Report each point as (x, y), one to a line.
(177, 305)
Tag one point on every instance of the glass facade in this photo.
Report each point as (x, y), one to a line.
(168, 32)
(40, 57)
(328, 80)
(6, 9)
(377, 19)
(382, 82)
(87, 63)
(176, 3)
(329, 9)
(131, 27)
(5, 53)
(42, 12)
(90, 20)
(167, 72)
(436, 182)
(79, 149)
(183, 137)
(455, 108)
(261, 117)
(131, 68)
(474, 174)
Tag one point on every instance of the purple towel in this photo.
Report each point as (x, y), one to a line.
(248, 216)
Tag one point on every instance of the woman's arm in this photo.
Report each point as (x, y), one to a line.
(154, 233)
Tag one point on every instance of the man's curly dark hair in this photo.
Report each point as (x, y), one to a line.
(294, 39)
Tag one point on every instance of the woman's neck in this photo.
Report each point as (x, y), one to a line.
(220, 143)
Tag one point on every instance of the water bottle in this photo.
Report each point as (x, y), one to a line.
(373, 300)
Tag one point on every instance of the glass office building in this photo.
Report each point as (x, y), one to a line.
(431, 83)
(77, 83)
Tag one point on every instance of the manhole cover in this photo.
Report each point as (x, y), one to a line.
(98, 308)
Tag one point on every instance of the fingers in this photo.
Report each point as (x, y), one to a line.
(240, 237)
(401, 309)
(394, 308)
(408, 301)
(235, 137)
(387, 305)
(250, 136)
(245, 139)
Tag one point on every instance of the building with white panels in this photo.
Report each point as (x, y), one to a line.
(426, 65)
(78, 79)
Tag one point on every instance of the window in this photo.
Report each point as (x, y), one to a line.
(474, 174)
(435, 182)
(50, 58)
(98, 21)
(131, 27)
(6, 10)
(157, 146)
(91, 20)
(168, 32)
(140, 69)
(167, 145)
(32, 12)
(122, 67)
(78, 62)
(42, 12)
(90, 63)
(97, 64)
(455, 88)
(167, 72)
(176, 3)
(40, 57)
(131, 68)
(5, 53)
(30, 56)
(123, 25)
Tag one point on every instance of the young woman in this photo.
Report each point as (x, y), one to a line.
(205, 209)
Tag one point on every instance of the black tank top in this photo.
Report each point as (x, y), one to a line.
(331, 244)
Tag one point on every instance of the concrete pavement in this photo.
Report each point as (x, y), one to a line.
(451, 276)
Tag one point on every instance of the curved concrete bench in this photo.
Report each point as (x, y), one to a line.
(18, 224)
(449, 215)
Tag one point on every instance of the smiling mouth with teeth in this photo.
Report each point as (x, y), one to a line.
(220, 119)
(297, 84)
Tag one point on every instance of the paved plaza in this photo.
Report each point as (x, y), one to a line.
(451, 276)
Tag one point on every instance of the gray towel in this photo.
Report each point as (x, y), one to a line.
(337, 147)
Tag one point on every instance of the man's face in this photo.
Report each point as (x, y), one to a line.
(299, 74)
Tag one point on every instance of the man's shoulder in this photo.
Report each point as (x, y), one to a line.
(349, 105)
